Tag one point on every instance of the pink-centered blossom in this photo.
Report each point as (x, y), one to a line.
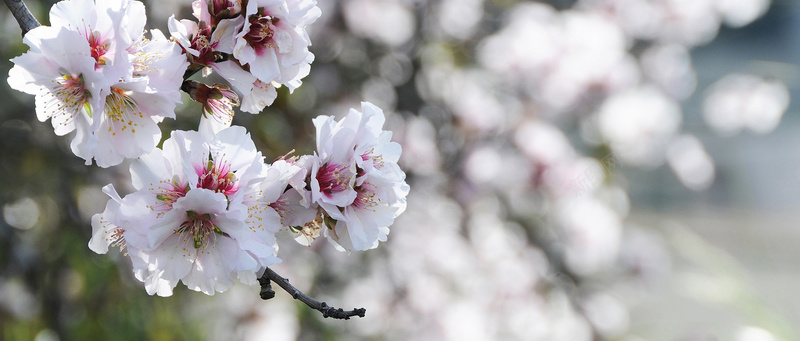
(198, 214)
(60, 71)
(93, 72)
(283, 191)
(109, 26)
(256, 49)
(273, 41)
(128, 127)
(205, 47)
(355, 178)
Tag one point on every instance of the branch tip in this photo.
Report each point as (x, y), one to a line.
(326, 310)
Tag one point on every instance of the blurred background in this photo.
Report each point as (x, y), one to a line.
(579, 170)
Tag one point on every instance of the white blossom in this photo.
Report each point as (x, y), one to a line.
(110, 27)
(273, 41)
(60, 71)
(638, 124)
(93, 72)
(355, 178)
(196, 216)
(213, 11)
(690, 162)
(134, 106)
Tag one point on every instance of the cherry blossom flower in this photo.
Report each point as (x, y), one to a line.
(269, 48)
(283, 196)
(262, 94)
(105, 233)
(288, 195)
(197, 214)
(273, 41)
(638, 124)
(75, 93)
(204, 48)
(355, 178)
(690, 162)
(114, 105)
(128, 127)
(59, 71)
(592, 233)
(366, 221)
(110, 28)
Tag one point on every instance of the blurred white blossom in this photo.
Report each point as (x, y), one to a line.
(740, 101)
(670, 67)
(737, 13)
(389, 22)
(638, 124)
(592, 234)
(750, 333)
(459, 18)
(690, 162)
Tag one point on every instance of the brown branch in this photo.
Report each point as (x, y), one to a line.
(24, 17)
(327, 311)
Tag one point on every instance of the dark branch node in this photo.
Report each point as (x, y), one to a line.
(266, 288)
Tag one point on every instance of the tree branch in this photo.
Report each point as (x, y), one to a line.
(267, 293)
(24, 17)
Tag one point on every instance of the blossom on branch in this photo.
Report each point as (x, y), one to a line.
(59, 71)
(273, 41)
(128, 127)
(93, 72)
(256, 48)
(198, 214)
(355, 178)
(110, 28)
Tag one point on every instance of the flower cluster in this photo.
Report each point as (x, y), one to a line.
(355, 178)
(195, 215)
(206, 210)
(94, 72)
(206, 206)
(256, 48)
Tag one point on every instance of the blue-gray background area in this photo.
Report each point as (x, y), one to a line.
(753, 172)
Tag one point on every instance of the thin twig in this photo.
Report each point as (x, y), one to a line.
(327, 311)
(24, 17)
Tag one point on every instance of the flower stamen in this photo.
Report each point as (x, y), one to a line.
(201, 229)
(334, 177)
(217, 178)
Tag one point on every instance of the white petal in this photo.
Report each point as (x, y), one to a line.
(262, 95)
(241, 80)
(73, 14)
(265, 67)
(225, 33)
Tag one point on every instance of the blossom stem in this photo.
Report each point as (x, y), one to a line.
(24, 17)
(327, 311)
